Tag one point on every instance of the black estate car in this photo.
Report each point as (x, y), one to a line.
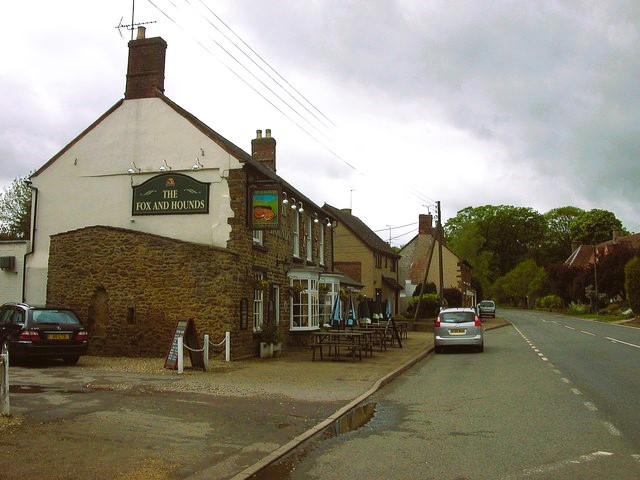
(29, 331)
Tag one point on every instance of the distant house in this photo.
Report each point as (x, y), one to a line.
(363, 256)
(150, 216)
(412, 268)
(584, 255)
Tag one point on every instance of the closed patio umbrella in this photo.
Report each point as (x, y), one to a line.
(351, 313)
(336, 312)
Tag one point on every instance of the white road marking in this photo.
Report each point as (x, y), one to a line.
(612, 429)
(615, 340)
(636, 457)
(576, 391)
(545, 469)
(565, 380)
(587, 333)
(590, 406)
(570, 328)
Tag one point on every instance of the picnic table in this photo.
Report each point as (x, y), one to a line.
(341, 342)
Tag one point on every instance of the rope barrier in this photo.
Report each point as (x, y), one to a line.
(226, 342)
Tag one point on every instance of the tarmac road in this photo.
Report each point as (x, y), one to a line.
(131, 419)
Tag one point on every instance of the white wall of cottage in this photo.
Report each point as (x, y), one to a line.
(89, 183)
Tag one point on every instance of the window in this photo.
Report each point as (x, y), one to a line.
(304, 302)
(378, 259)
(258, 303)
(327, 293)
(258, 237)
(309, 238)
(321, 245)
(296, 233)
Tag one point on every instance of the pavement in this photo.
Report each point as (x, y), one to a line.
(117, 418)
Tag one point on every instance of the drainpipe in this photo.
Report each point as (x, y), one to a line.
(32, 237)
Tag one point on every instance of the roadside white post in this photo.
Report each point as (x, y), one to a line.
(180, 354)
(227, 346)
(4, 387)
(206, 351)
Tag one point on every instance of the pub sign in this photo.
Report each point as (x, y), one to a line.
(170, 194)
(264, 208)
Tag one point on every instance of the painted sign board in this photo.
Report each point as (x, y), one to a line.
(170, 194)
(264, 208)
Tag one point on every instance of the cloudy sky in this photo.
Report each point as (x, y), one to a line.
(379, 105)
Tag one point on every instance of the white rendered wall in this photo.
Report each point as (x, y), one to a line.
(89, 184)
(11, 280)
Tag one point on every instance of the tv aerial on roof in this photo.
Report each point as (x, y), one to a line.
(131, 26)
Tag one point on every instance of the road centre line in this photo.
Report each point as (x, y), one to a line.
(570, 328)
(544, 469)
(590, 406)
(576, 391)
(615, 340)
(612, 429)
(587, 333)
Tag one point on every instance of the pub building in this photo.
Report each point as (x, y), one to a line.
(149, 217)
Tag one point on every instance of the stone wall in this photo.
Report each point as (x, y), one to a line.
(130, 288)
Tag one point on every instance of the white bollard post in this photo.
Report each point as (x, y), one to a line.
(4, 387)
(206, 351)
(227, 346)
(180, 354)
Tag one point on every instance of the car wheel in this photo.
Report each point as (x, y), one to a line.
(481, 348)
(71, 359)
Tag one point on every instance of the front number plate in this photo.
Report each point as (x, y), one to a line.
(58, 336)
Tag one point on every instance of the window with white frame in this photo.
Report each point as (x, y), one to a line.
(304, 311)
(296, 233)
(258, 237)
(309, 239)
(258, 302)
(321, 244)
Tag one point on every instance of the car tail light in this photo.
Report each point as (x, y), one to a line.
(477, 322)
(437, 322)
(82, 336)
(29, 336)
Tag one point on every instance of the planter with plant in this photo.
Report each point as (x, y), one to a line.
(270, 339)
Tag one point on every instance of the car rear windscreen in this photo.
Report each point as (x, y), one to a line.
(457, 317)
(55, 316)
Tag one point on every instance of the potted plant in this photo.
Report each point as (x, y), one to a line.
(270, 339)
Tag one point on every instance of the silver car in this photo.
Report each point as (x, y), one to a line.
(458, 326)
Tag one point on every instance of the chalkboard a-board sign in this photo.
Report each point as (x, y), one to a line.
(187, 330)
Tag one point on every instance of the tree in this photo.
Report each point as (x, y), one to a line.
(15, 210)
(556, 245)
(509, 234)
(525, 282)
(611, 273)
(595, 226)
(632, 284)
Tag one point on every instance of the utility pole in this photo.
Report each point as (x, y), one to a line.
(440, 238)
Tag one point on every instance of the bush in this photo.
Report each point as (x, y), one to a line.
(429, 305)
(549, 302)
(632, 283)
(577, 308)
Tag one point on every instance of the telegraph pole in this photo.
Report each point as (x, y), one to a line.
(440, 238)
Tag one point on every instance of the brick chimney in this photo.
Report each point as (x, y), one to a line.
(425, 224)
(145, 72)
(263, 149)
